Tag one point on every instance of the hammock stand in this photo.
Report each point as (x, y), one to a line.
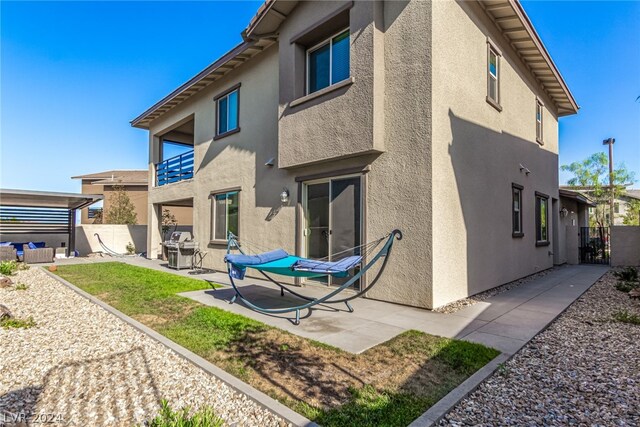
(109, 251)
(106, 248)
(331, 269)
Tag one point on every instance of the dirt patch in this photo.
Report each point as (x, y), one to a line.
(150, 320)
(289, 367)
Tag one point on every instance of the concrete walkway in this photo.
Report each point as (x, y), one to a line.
(505, 321)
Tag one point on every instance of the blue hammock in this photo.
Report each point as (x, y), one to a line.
(280, 262)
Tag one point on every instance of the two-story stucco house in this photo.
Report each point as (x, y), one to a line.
(439, 118)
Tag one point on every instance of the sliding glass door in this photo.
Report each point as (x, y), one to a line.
(333, 220)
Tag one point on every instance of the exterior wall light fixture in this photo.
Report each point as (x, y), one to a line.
(284, 196)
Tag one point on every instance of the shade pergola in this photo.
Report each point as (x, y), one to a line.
(42, 212)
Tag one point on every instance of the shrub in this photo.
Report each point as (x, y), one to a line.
(130, 248)
(626, 286)
(205, 417)
(21, 287)
(629, 274)
(7, 268)
(14, 322)
(625, 316)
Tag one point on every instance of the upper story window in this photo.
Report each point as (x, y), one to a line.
(516, 210)
(539, 116)
(328, 62)
(227, 111)
(493, 75)
(542, 219)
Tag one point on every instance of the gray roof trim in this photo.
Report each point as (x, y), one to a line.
(46, 199)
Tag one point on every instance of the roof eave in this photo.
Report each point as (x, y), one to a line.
(143, 120)
(537, 40)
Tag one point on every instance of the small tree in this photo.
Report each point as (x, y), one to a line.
(97, 216)
(168, 221)
(632, 215)
(593, 174)
(121, 209)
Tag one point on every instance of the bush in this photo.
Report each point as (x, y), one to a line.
(130, 248)
(14, 322)
(629, 274)
(625, 316)
(205, 417)
(7, 268)
(626, 286)
(21, 287)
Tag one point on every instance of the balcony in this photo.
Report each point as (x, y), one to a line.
(175, 169)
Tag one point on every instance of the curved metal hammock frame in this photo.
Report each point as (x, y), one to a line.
(384, 253)
(106, 248)
(109, 251)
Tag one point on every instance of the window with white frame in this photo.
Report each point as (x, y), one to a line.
(493, 74)
(227, 107)
(224, 214)
(542, 219)
(328, 62)
(539, 116)
(516, 210)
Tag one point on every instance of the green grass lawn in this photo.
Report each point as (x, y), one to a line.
(388, 385)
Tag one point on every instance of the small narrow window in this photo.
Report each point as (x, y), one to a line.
(539, 116)
(493, 76)
(224, 214)
(542, 219)
(227, 113)
(328, 62)
(516, 210)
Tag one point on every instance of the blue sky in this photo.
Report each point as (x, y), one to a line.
(74, 74)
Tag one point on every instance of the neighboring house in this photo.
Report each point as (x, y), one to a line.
(438, 118)
(621, 204)
(135, 182)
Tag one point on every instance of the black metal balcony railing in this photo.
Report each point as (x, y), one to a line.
(175, 169)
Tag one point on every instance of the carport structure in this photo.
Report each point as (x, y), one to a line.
(25, 212)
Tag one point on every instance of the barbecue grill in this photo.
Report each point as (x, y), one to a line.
(180, 249)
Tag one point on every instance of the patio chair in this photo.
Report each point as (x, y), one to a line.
(38, 255)
(8, 253)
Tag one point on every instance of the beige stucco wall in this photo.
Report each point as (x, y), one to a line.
(561, 255)
(477, 153)
(343, 122)
(625, 245)
(115, 237)
(572, 239)
(237, 160)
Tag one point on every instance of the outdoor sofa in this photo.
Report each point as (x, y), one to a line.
(8, 253)
(30, 253)
(34, 253)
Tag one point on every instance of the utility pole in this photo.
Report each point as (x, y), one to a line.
(610, 142)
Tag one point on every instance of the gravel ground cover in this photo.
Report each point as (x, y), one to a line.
(80, 365)
(583, 370)
(466, 302)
